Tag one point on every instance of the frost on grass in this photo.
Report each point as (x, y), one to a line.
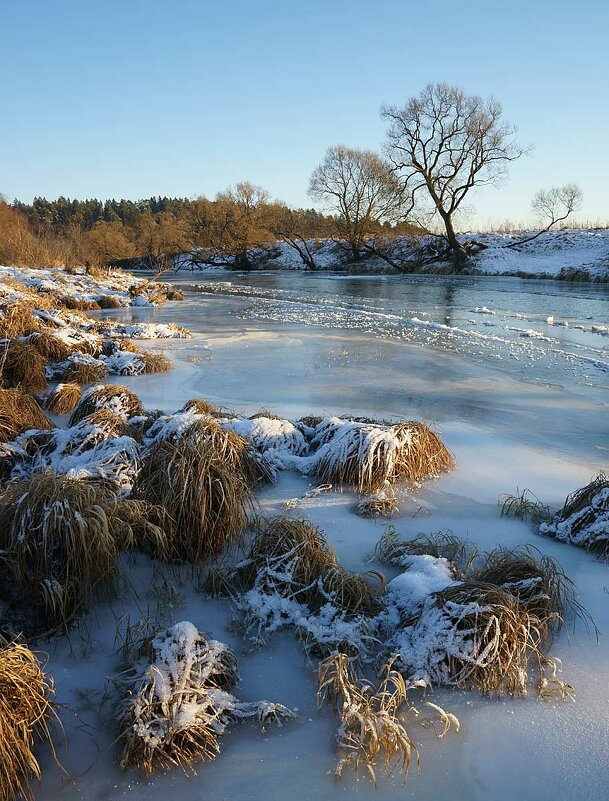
(584, 518)
(291, 578)
(482, 621)
(366, 455)
(179, 701)
(84, 451)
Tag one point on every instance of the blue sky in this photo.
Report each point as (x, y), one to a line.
(131, 99)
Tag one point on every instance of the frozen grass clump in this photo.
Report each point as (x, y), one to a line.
(203, 478)
(26, 693)
(19, 412)
(276, 439)
(17, 320)
(114, 397)
(57, 536)
(371, 456)
(63, 399)
(536, 581)
(50, 346)
(372, 730)
(79, 371)
(584, 518)
(291, 578)
(394, 550)
(475, 621)
(60, 539)
(199, 406)
(470, 635)
(102, 446)
(23, 367)
(381, 504)
(180, 703)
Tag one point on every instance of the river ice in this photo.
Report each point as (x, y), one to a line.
(520, 401)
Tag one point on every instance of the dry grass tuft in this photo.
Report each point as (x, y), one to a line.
(372, 456)
(109, 302)
(17, 320)
(536, 581)
(204, 481)
(25, 707)
(24, 367)
(371, 730)
(391, 549)
(63, 399)
(20, 412)
(58, 540)
(115, 397)
(50, 346)
(156, 363)
(199, 406)
(493, 640)
(304, 567)
(84, 373)
(584, 519)
(112, 424)
(77, 304)
(381, 504)
(524, 506)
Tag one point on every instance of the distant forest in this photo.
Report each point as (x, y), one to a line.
(236, 229)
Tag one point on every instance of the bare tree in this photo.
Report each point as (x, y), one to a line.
(553, 206)
(301, 229)
(447, 143)
(361, 188)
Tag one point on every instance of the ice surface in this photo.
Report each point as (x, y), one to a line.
(515, 412)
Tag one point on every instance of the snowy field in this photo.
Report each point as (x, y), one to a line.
(514, 376)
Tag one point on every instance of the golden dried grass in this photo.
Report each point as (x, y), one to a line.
(372, 729)
(156, 362)
(84, 373)
(370, 456)
(63, 399)
(114, 397)
(23, 366)
(203, 481)
(50, 346)
(26, 693)
(20, 412)
(57, 535)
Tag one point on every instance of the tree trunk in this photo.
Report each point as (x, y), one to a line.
(456, 247)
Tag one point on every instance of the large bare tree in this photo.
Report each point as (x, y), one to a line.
(361, 189)
(443, 143)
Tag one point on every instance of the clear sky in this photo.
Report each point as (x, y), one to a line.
(131, 99)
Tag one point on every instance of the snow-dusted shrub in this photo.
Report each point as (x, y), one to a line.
(116, 398)
(584, 518)
(291, 578)
(371, 456)
(179, 701)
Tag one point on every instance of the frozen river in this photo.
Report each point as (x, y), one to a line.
(515, 377)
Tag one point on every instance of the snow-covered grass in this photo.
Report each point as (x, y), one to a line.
(179, 702)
